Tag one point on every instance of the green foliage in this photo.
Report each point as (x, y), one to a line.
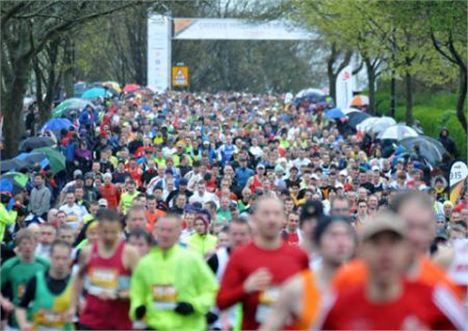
(433, 111)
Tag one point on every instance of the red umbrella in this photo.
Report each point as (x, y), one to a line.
(131, 88)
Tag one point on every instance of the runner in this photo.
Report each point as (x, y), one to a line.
(47, 297)
(238, 236)
(301, 297)
(255, 271)
(171, 288)
(17, 271)
(416, 209)
(387, 301)
(105, 269)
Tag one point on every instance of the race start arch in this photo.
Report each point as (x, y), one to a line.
(163, 29)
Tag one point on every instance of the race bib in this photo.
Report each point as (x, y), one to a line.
(266, 301)
(106, 278)
(164, 297)
(50, 319)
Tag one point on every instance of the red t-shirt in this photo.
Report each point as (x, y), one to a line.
(420, 307)
(292, 238)
(282, 263)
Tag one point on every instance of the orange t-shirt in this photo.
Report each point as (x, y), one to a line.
(152, 218)
(311, 302)
(356, 273)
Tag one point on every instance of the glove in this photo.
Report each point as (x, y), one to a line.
(211, 317)
(140, 312)
(184, 308)
(20, 209)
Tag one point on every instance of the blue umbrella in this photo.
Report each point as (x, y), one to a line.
(56, 125)
(6, 185)
(33, 158)
(96, 92)
(334, 113)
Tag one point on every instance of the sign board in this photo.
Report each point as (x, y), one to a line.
(458, 175)
(180, 76)
(238, 29)
(159, 52)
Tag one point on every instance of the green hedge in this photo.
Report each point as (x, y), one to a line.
(433, 111)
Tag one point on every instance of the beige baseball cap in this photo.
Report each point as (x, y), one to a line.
(383, 222)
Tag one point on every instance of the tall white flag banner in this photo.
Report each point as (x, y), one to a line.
(345, 85)
(159, 52)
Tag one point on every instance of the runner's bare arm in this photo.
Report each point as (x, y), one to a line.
(78, 285)
(444, 257)
(130, 257)
(23, 323)
(287, 306)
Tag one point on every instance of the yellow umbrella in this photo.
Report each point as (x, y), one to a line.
(113, 85)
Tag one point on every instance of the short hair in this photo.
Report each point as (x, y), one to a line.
(136, 208)
(25, 234)
(171, 215)
(64, 227)
(107, 215)
(141, 233)
(403, 198)
(150, 197)
(332, 202)
(60, 243)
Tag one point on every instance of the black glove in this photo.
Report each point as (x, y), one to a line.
(184, 308)
(140, 312)
(211, 317)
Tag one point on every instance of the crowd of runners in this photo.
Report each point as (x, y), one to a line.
(182, 211)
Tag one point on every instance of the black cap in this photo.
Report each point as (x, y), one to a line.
(311, 209)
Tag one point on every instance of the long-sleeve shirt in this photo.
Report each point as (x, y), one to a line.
(6, 218)
(164, 278)
(39, 202)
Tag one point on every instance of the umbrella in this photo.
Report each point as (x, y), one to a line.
(56, 125)
(398, 132)
(113, 85)
(12, 164)
(312, 95)
(356, 117)
(334, 113)
(346, 111)
(68, 105)
(34, 157)
(131, 88)
(359, 101)
(6, 185)
(429, 148)
(17, 178)
(382, 124)
(367, 124)
(56, 159)
(96, 92)
(29, 144)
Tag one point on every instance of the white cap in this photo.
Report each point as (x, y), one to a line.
(102, 203)
(344, 172)
(375, 168)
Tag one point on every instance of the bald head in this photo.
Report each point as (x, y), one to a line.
(167, 230)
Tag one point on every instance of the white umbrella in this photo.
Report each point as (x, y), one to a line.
(367, 124)
(398, 132)
(308, 91)
(382, 124)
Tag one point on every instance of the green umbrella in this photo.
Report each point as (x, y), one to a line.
(19, 178)
(70, 104)
(55, 157)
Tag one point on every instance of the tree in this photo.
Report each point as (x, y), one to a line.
(27, 27)
(446, 23)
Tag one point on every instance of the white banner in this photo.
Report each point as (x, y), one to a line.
(345, 85)
(237, 29)
(159, 52)
(458, 174)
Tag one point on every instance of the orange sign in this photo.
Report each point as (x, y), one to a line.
(180, 76)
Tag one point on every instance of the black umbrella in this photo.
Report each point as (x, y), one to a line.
(429, 148)
(356, 117)
(31, 143)
(12, 164)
